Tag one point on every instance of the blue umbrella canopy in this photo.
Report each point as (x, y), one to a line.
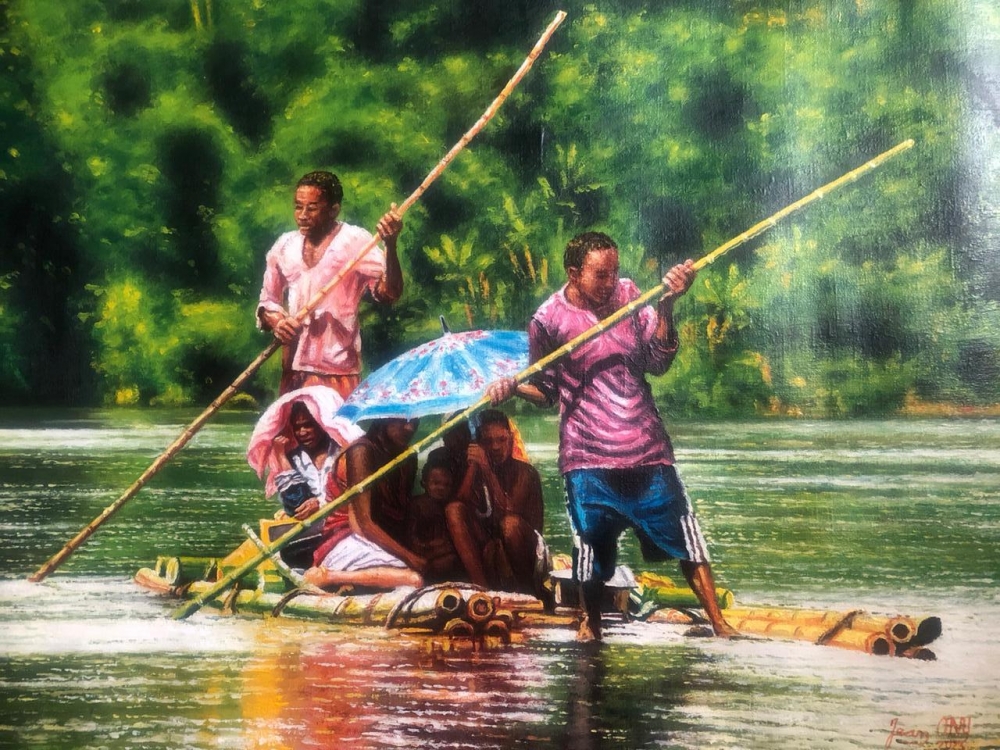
(447, 374)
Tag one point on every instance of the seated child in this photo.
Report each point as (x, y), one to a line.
(427, 529)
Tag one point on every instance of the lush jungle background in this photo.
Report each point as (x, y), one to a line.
(150, 148)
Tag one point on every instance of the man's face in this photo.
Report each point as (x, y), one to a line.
(438, 484)
(597, 277)
(400, 432)
(307, 433)
(497, 442)
(313, 211)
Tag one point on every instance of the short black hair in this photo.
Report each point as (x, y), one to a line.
(376, 428)
(492, 416)
(327, 184)
(578, 247)
(439, 458)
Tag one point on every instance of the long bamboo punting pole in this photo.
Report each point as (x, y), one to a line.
(243, 377)
(351, 492)
(718, 252)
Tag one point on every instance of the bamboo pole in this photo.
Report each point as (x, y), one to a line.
(241, 379)
(815, 195)
(903, 630)
(398, 609)
(280, 565)
(351, 492)
(870, 641)
(717, 253)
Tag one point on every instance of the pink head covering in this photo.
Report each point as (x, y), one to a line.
(322, 403)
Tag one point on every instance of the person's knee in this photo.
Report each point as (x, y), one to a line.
(516, 528)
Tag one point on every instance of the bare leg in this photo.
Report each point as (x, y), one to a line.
(591, 598)
(699, 577)
(445, 567)
(469, 548)
(519, 543)
(380, 578)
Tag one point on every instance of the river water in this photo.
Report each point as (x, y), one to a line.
(889, 516)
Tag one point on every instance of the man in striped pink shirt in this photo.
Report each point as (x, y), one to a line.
(614, 452)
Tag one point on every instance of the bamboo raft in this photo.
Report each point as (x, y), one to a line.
(465, 611)
(854, 629)
(457, 610)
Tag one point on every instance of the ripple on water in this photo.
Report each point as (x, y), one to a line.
(62, 616)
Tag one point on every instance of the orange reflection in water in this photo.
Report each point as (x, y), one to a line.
(368, 688)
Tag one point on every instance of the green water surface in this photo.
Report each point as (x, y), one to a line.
(890, 516)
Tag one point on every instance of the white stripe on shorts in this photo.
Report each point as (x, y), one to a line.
(584, 569)
(694, 542)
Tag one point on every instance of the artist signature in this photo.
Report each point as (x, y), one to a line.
(951, 733)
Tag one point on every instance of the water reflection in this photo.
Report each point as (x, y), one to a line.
(376, 689)
(372, 689)
(832, 515)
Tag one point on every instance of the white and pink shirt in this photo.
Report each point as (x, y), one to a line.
(330, 343)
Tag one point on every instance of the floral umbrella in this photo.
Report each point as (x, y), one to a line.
(447, 374)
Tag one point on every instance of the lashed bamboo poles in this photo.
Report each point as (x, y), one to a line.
(428, 609)
(855, 630)
(195, 604)
(241, 379)
(903, 630)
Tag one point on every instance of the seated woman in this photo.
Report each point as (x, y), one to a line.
(304, 462)
(294, 446)
(364, 541)
(497, 515)
(427, 528)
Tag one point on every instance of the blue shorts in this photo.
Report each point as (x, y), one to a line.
(603, 503)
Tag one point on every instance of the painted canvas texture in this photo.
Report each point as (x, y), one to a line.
(832, 403)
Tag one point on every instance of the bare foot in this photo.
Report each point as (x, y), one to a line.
(698, 631)
(315, 576)
(587, 632)
(725, 630)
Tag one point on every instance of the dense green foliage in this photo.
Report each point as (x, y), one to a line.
(151, 146)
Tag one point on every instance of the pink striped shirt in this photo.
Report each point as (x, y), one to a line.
(330, 343)
(608, 418)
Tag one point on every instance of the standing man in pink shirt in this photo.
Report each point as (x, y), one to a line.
(614, 453)
(325, 349)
